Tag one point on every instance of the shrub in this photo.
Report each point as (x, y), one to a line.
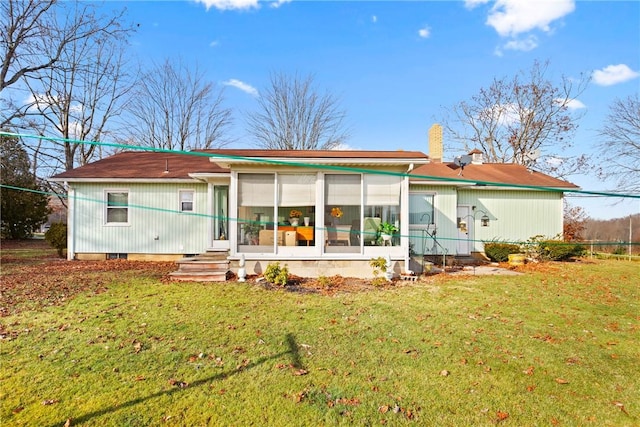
(56, 236)
(276, 274)
(557, 250)
(500, 251)
(379, 265)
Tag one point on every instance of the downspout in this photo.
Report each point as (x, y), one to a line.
(71, 223)
(210, 215)
(404, 204)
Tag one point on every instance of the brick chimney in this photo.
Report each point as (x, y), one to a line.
(435, 143)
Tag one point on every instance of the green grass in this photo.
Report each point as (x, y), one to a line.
(557, 346)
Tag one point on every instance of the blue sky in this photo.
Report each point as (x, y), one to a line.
(396, 64)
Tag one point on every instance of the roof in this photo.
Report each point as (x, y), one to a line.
(317, 154)
(499, 173)
(143, 165)
(153, 165)
(228, 157)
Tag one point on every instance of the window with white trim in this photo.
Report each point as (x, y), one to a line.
(117, 207)
(187, 200)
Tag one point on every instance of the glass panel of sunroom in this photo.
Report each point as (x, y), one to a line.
(381, 204)
(296, 208)
(256, 194)
(342, 213)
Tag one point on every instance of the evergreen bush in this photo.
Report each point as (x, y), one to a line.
(56, 236)
(500, 251)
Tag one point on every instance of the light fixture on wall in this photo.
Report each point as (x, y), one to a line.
(484, 219)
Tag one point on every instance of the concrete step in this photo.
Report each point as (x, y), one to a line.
(203, 265)
(200, 276)
(211, 266)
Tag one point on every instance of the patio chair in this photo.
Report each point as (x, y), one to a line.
(338, 235)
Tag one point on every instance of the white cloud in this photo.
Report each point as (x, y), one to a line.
(424, 32)
(470, 4)
(614, 74)
(374, 19)
(277, 3)
(502, 114)
(214, 43)
(344, 147)
(524, 45)
(229, 4)
(512, 17)
(574, 104)
(242, 86)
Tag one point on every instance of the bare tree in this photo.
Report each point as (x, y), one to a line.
(34, 35)
(79, 99)
(175, 108)
(292, 115)
(620, 144)
(526, 120)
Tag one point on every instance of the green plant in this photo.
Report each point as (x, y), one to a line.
(387, 228)
(276, 274)
(500, 251)
(252, 228)
(325, 281)
(56, 236)
(556, 250)
(545, 249)
(379, 265)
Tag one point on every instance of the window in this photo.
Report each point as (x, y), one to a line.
(421, 208)
(381, 204)
(186, 200)
(117, 207)
(342, 212)
(297, 196)
(256, 193)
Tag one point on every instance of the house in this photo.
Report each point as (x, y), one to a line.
(316, 211)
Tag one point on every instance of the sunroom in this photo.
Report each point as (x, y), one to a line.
(326, 208)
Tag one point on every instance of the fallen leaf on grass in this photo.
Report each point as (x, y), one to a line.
(561, 381)
(444, 373)
(528, 371)
(48, 402)
(300, 372)
(621, 406)
(502, 415)
(383, 409)
(17, 410)
(177, 383)
(354, 401)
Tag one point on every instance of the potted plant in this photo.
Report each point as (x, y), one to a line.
(387, 230)
(251, 231)
(336, 213)
(294, 217)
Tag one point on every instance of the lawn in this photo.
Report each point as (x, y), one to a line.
(120, 345)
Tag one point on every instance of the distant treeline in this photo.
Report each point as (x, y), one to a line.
(614, 232)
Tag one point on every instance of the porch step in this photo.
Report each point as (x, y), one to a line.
(199, 276)
(211, 266)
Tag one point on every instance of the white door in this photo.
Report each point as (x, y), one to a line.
(465, 230)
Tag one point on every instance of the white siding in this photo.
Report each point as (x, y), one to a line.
(515, 215)
(153, 212)
(445, 202)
